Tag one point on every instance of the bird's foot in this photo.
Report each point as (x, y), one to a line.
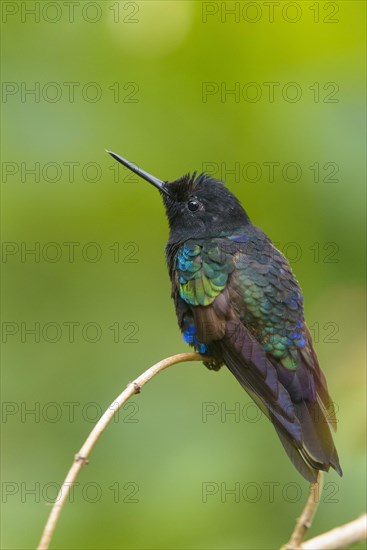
(213, 364)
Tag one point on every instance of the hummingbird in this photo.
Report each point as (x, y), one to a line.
(239, 304)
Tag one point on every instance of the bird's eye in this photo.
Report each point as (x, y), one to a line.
(193, 205)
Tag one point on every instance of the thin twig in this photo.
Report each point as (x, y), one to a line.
(81, 458)
(340, 537)
(304, 522)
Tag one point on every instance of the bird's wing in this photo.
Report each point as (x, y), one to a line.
(267, 298)
(268, 301)
(247, 305)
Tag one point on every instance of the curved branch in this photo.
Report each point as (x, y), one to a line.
(336, 539)
(81, 458)
(340, 537)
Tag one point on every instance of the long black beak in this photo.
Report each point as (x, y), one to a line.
(159, 184)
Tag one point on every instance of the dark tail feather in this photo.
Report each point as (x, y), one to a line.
(318, 446)
(317, 451)
(304, 468)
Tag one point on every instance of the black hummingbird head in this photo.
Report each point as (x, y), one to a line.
(196, 206)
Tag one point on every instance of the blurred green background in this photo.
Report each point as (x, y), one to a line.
(151, 80)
